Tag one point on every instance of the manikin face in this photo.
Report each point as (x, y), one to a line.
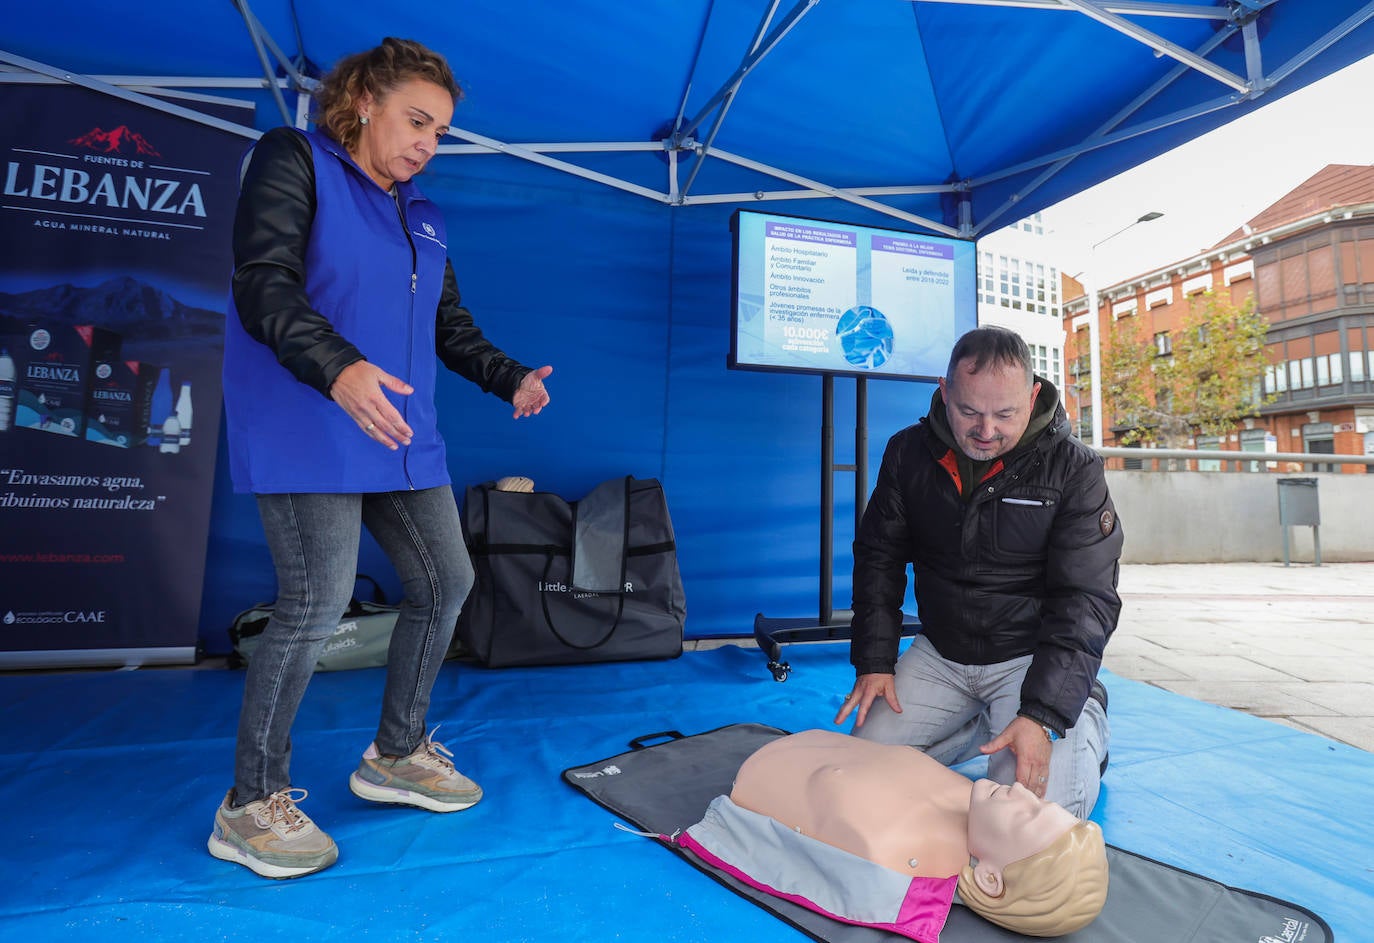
(988, 410)
(1008, 823)
(402, 130)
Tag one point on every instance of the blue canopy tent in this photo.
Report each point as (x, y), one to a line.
(598, 156)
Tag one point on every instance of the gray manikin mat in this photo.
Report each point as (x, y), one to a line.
(667, 786)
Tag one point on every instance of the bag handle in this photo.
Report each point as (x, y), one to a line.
(640, 742)
(355, 607)
(548, 617)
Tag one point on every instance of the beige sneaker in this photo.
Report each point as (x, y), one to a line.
(425, 779)
(272, 837)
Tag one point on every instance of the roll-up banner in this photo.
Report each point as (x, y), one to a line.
(115, 218)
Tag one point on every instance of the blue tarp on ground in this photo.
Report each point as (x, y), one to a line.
(627, 296)
(112, 779)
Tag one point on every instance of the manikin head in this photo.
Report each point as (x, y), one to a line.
(1035, 868)
(989, 392)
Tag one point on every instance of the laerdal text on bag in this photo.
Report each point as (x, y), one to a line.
(555, 587)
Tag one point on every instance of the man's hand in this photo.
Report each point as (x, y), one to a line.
(867, 689)
(1032, 749)
(358, 391)
(531, 396)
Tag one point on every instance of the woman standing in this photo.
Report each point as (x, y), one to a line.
(345, 298)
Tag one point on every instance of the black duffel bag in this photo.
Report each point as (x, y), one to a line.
(563, 582)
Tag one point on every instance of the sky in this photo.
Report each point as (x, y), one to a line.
(1209, 186)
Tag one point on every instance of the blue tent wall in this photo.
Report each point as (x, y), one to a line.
(630, 302)
(628, 297)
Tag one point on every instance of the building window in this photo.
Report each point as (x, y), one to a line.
(1257, 440)
(1085, 424)
(1319, 438)
(1164, 345)
(1209, 443)
(1357, 366)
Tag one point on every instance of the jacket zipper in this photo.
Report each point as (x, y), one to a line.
(410, 329)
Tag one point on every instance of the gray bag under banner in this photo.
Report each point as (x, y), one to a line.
(562, 582)
(666, 781)
(362, 640)
(113, 288)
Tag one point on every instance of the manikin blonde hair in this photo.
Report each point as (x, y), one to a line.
(1050, 893)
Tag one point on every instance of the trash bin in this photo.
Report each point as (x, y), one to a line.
(1298, 507)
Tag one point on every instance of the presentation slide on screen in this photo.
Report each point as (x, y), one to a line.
(840, 298)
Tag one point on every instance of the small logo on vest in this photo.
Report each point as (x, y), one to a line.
(1107, 522)
(429, 230)
(604, 771)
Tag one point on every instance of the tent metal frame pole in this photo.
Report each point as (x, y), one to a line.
(793, 17)
(1332, 37)
(263, 43)
(524, 153)
(760, 196)
(834, 191)
(146, 81)
(1184, 114)
(703, 147)
(1135, 7)
(114, 91)
(1159, 44)
(560, 147)
(1106, 127)
(255, 32)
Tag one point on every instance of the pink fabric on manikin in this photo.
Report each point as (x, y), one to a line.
(921, 916)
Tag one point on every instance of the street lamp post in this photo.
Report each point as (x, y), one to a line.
(1094, 331)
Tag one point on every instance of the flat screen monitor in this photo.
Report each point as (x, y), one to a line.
(816, 296)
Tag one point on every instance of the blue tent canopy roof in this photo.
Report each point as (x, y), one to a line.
(1005, 105)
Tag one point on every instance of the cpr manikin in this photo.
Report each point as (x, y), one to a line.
(1023, 863)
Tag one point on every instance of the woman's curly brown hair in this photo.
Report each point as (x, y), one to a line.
(377, 71)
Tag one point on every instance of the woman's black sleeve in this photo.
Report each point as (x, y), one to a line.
(276, 209)
(464, 350)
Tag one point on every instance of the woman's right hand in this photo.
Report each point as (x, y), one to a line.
(358, 391)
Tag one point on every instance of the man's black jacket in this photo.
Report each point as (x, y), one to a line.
(1028, 565)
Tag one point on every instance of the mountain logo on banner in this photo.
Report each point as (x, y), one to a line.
(113, 141)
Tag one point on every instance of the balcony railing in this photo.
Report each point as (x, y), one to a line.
(1280, 462)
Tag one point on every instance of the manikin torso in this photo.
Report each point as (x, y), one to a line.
(893, 804)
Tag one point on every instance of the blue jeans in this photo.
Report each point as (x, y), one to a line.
(949, 710)
(314, 544)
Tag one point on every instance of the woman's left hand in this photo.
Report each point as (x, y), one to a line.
(531, 396)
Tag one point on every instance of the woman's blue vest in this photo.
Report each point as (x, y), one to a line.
(378, 281)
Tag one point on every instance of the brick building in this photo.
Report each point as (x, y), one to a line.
(1308, 260)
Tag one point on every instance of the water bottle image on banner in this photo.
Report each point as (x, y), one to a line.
(161, 407)
(184, 413)
(171, 436)
(7, 375)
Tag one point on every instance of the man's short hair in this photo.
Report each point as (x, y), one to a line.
(991, 346)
